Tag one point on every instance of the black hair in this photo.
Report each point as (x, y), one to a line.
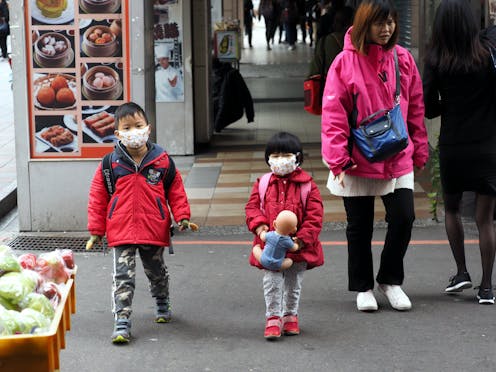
(284, 142)
(128, 109)
(455, 45)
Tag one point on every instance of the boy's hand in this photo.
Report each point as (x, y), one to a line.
(185, 224)
(92, 240)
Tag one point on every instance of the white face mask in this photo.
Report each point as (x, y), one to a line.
(283, 165)
(134, 138)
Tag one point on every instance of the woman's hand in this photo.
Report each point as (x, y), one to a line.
(340, 177)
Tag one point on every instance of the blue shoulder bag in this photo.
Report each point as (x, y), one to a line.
(382, 134)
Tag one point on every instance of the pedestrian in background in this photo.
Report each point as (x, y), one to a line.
(284, 191)
(136, 217)
(326, 21)
(459, 86)
(329, 46)
(248, 19)
(270, 10)
(290, 19)
(4, 27)
(362, 81)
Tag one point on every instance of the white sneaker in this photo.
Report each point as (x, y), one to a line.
(396, 297)
(366, 301)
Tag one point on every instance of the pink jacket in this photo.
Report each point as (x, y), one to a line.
(354, 73)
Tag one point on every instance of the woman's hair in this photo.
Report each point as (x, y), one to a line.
(284, 142)
(128, 109)
(455, 45)
(368, 12)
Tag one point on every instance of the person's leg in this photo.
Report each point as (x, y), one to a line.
(359, 229)
(484, 214)
(268, 26)
(3, 45)
(249, 31)
(273, 288)
(123, 280)
(123, 291)
(155, 269)
(454, 229)
(293, 277)
(400, 215)
(257, 252)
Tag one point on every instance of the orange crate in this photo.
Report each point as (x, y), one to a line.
(40, 352)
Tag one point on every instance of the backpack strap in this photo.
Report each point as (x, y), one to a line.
(170, 174)
(108, 174)
(305, 189)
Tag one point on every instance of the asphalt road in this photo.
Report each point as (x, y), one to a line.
(218, 315)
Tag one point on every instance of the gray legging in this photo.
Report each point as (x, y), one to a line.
(282, 290)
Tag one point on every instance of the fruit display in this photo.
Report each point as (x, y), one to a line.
(51, 8)
(30, 296)
(56, 91)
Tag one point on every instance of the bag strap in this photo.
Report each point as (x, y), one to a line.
(109, 180)
(108, 174)
(398, 77)
(263, 184)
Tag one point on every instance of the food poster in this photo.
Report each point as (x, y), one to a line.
(78, 74)
(168, 37)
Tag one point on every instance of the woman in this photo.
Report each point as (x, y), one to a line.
(270, 11)
(459, 85)
(362, 81)
(4, 27)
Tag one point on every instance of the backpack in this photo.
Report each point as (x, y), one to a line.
(264, 183)
(108, 174)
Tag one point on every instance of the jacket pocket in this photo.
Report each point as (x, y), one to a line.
(160, 208)
(112, 207)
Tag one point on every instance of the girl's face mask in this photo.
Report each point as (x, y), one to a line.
(282, 164)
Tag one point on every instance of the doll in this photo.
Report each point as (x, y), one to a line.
(278, 242)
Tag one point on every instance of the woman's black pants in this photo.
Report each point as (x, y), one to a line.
(400, 215)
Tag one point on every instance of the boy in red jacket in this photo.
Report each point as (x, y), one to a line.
(136, 217)
(282, 289)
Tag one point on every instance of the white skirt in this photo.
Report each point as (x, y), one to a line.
(361, 186)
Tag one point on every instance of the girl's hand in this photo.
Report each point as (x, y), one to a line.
(299, 243)
(261, 228)
(92, 240)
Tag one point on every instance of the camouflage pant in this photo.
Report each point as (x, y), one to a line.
(152, 258)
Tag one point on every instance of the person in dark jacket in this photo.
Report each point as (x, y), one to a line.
(248, 19)
(270, 10)
(231, 96)
(459, 85)
(290, 18)
(326, 22)
(4, 27)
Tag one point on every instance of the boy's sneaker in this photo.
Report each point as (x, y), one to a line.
(272, 328)
(163, 313)
(458, 283)
(396, 297)
(485, 296)
(122, 331)
(290, 325)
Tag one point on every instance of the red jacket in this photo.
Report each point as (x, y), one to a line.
(284, 193)
(137, 212)
(353, 73)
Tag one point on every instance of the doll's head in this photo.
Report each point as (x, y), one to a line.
(286, 223)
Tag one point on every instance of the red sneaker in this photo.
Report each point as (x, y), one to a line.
(273, 328)
(290, 325)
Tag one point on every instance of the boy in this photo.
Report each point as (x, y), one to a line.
(136, 216)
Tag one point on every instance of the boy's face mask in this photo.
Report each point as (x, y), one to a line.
(283, 165)
(134, 138)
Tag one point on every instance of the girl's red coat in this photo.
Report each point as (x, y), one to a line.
(284, 193)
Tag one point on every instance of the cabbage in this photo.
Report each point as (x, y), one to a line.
(9, 322)
(5, 248)
(15, 286)
(39, 303)
(8, 263)
(33, 321)
(6, 304)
